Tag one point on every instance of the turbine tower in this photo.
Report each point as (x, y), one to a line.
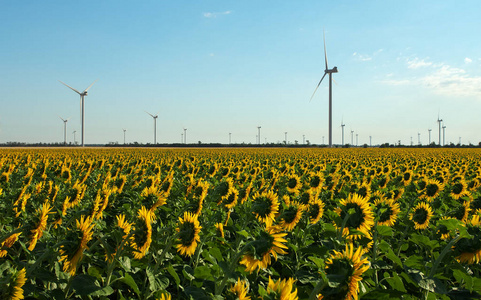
(64, 129)
(74, 139)
(327, 71)
(439, 123)
(124, 134)
(429, 136)
(444, 140)
(82, 106)
(285, 133)
(342, 126)
(185, 135)
(155, 125)
(352, 140)
(259, 134)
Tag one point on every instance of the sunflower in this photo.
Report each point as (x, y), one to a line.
(443, 230)
(462, 211)
(71, 252)
(407, 177)
(469, 250)
(315, 181)
(421, 215)
(291, 215)
(364, 190)
(282, 289)
(7, 243)
(142, 237)
(231, 199)
(387, 210)
(188, 233)
(315, 210)
(15, 289)
(346, 268)
(458, 189)
(358, 212)
(432, 189)
(165, 296)
(40, 226)
(265, 206)
(269, 242)
(294, 184)
(153, 197)
(220, 228)
(240, 290)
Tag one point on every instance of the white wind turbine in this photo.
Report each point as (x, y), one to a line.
(155, 125)
(342, 126)
(327, 71)
(82, 106)
(64, 129)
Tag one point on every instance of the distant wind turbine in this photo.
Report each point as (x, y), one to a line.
(82, 105)
(259, 133)
(327, 71)
(155, 125)
(185, 136)
(444, 136)
(342, 126)
(64, 129)
(429, 130)
(74, 139)
(124, 134)
(439, 121)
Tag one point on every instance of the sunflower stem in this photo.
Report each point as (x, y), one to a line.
(443, 253)
(374, 253)
(406, 216)
(220, 288)
(319, 286)
(344, 222)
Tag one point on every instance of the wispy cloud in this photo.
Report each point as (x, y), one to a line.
(468, 60)
(216, 14)
(366, 57)
(441, 79)
(417, 63)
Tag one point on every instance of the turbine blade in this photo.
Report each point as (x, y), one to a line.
(325, 51)
(61, 118)
(70, 87)
(317, 86)
(149, 114)
(90, 85)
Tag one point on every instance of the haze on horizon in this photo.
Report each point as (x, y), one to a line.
(216, 67)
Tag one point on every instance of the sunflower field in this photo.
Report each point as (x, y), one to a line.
(240, 224)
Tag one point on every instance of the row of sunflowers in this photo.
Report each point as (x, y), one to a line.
(240, 223)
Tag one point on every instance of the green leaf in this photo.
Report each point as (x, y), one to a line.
(86, 285)
(396, 283)
(188, 272)
(172, 272)
(384, 230)
(203, 272)
(243, 233)
(93, 271)
(129, 280)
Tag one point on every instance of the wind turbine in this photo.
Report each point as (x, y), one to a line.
(439, 121)
(429, 136)
(82, 106)
(185, 135)
(285, 133)
(64, 129)
(124, 134)
(259, 133)
(74, 139)
(327, 71)
(444, 140)
(342, 126)
(155, 125)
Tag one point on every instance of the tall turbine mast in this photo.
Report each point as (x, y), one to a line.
(124, 134)
(155, 125)
(439, 123)
(444, 140)
(185, 135)
(342, 126)
(64, 129)
(429, 136)
(82, 105)
(327, 71)
(259, 133)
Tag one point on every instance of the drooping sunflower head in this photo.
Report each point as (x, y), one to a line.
(356, 212)
(421, 215)
(461, 211)
(407, 177)
(315, 210)
(364, 190)
(282, 289)
(315, 181)
(291, 215)
(345, 269)
(443, 230)
(231, 199)
(265, 206)
(142, 237)
(188, 234)
(239, 290)
(268, 243)
(468, 250)
(432, 189)
(224, 187)
(458, 189)
(387, 211)
(15, 288)
(294, 184)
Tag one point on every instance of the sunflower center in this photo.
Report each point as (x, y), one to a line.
(457, 188)
(289, 215)
(187, 233)
(407, 176)
(385, 213)
(314, 211)
(431, 189)
(339, 272)
(356, 215)
(362, 191)
(420, 216)
(140, 233)
(292, 183)
(304, 199)
(315, 181)
(262, 245)
(262, 206)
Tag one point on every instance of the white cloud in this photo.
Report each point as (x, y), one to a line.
(441, 79)
(417, 63)
(468, 60)
(362, 57)
(215, 14)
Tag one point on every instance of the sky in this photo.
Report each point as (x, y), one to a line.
(220, 67)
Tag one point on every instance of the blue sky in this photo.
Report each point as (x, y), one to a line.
(216, 67)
